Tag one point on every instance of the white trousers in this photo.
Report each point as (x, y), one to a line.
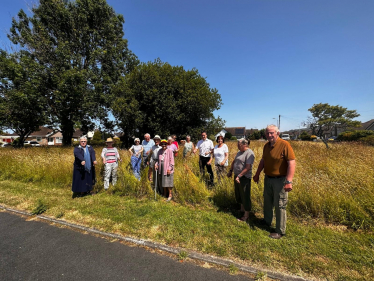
(110, 169)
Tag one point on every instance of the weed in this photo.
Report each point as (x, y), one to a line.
(40, 208)
(261, 276)
(182, 255)
(233, 269)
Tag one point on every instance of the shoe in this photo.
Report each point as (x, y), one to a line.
(263, 222)
(243, 219)
(169, 199)
(276, 235)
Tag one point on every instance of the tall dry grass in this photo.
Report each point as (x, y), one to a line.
(334, 185)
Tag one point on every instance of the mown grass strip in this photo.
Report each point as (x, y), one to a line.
(308, 250)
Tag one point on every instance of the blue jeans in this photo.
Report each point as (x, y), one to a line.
(135, 163)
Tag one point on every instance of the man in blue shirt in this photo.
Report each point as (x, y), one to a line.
(147, 144)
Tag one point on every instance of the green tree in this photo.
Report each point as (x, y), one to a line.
(81, 47)
(228, 136)
(158, 98)
(326, 117)
(22, 103)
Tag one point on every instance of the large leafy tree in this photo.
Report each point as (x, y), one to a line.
(327, 117)
(80, 45)
(158, 98)
(22, 103)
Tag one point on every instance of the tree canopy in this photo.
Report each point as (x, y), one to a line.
(22, 103)
(158, 98)
(326, 117)
(81, 48)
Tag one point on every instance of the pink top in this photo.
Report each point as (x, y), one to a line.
(176, 144)
(168, 157)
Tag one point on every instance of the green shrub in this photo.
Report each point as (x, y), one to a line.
(354, 135)
(233, 138)
(368, 140)
(305, 136)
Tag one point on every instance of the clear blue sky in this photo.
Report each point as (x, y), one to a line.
(265, 57)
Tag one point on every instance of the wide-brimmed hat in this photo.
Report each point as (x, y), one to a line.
(165, 141)
(157, 137)
(109, 140)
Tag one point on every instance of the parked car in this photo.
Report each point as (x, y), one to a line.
(5, 144)
(333, 138)
(32, 143)
(286, 136)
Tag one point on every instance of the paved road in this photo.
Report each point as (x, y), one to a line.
(33, 250)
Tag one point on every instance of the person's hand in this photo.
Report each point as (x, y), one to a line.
(120, 159)
(209, 163)
(222, 163)
(168, 172)
(147, 152)
(104, 161)
(83, 163)
(229, 174)
(156, 167)
(95, 162)
(136, 154)
(237, 179)
(288, 187)
(207, 153)
(256, 178)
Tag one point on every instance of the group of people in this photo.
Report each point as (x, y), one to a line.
(278, 163)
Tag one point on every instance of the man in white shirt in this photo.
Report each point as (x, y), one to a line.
(205, 147)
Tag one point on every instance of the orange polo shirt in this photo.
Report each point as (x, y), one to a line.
(276, 157)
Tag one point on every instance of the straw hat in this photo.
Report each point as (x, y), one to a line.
(109, 140)
(157, 137)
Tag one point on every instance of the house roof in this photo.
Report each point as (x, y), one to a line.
(250, 131)
(369, 125)
(78, 133)
(42, 132)
(235, 131)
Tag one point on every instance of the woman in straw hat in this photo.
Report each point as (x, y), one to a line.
(110, 158)
(165, 169)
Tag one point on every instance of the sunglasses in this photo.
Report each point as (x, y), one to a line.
(83, 141)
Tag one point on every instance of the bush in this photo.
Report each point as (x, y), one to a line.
(233, 138)
(305, 136)
(368, 140)
(228, 136)
(354, 135)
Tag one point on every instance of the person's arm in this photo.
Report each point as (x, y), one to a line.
(171, 163)
(259, 170)
(290, 173)
(103, 155)
(93, 155)
(78, 155)
(242, 173)
(131, 148)
(229, 174)
(224, 160)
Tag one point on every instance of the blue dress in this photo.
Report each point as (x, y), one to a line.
(82, 179)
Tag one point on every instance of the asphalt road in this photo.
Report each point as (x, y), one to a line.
(33, 250)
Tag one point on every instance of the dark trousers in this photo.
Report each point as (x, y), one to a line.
(202, 164)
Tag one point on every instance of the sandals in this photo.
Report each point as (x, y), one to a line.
(169, 199)
(243, 218)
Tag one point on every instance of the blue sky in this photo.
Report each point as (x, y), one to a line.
(266, 58)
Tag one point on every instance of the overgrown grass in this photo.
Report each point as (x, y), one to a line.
(330, 210)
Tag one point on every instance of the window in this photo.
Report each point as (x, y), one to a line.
(38, 139)
(58, 139)
(50, 139)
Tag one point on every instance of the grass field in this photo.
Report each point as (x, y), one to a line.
(331, 209)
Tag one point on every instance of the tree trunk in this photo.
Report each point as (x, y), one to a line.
(67, 130)
(325, 142)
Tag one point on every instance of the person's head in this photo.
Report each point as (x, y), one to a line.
(83, 141)
(157, 139)
(147, 137)
(164, 144)
(170, 140)
(109, 142)
(242, 144)
(188, 138)
(272, 133)
(136, 141)
(203, 135)
(174, 137)
(220, 139)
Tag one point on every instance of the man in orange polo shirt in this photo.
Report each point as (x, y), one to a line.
(278, 162)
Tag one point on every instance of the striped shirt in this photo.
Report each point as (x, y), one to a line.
(110, 154)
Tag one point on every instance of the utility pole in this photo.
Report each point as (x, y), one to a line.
(279, 124)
